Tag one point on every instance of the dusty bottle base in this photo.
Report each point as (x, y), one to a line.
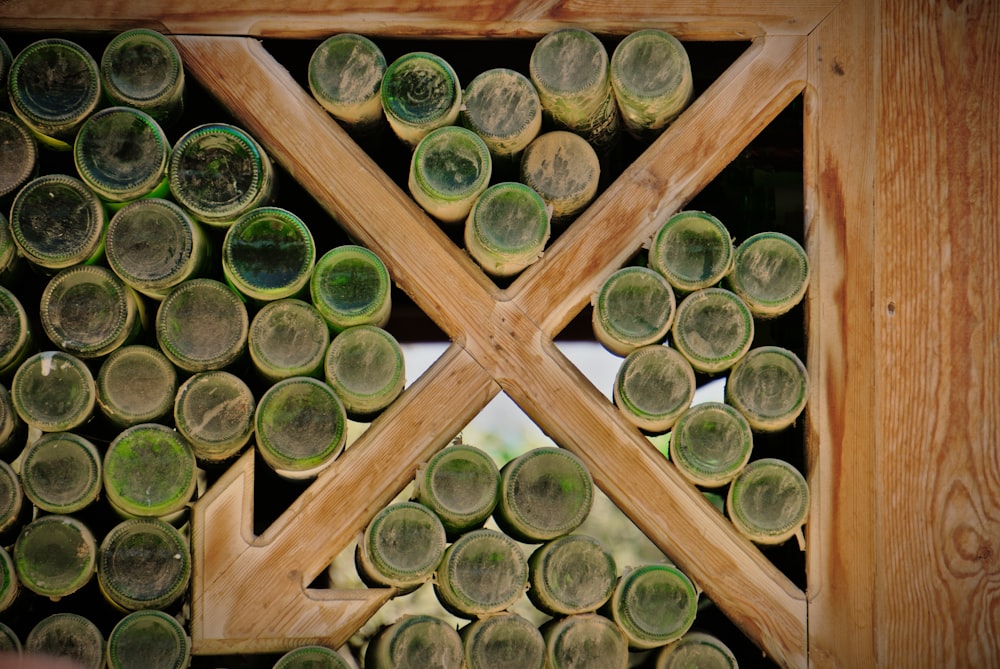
(770, 387)
(545, 493)
(503, 641)
(768, 502)
(692, 250)
(150, 639)
(67, 635)
(461, 484)
(571, 574)
(710, 444)
(713, 328)
(633, 307)
(653, 605)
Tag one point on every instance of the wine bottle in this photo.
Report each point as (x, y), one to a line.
(420, 92)
(54, 85)
(571, 574)
(569, 67)
(61, 472)
(770, 387)
(55, 555)
(503, 640)
(288, 337)
(415, 641)
(696, 649)
(652, 80)
(121, 154)
(67, 635)
(653, 604)
(634, 307)
(450, 168)
(214, 411)
(507, 228)
(710, 444)
(564, 169)
(202, 324)
(654, 385)
(345, 77)
(770, 273)
(544, 493)
(150, 639)
(364, 365)
(502, 106)
(144, 564)
(150, 472)
(136, 384)
(57, 222)
(88, 311)
(401, 547)
(142, 68)
(768, 502)
(713, 329)
(482, 572)
(461, 484)
(218, 172)
(152, 244)
(16, 338)
(10, 644)
(18, 155)
(14, 511)
(12, 429)
(53, 391)
(692, 250)
(300, 426)
(268, 254)
(312, 657)
(584, 640)
(350, 286)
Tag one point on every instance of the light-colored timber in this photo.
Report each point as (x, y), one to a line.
(901, 185)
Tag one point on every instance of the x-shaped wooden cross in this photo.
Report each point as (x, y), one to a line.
(250, 593)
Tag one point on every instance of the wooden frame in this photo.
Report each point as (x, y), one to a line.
(826, 50)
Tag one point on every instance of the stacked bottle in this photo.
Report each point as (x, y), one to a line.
(723, 292)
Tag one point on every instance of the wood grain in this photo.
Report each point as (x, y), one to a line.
(937, 319)
(840, 235)
(688, 19)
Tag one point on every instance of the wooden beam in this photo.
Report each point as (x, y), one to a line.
(475, 19)
(840, 238)
(937, 319)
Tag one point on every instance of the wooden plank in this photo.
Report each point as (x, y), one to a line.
(238, 576)
(937, 310)
(839, 173)
(688, 19)
(703, 140)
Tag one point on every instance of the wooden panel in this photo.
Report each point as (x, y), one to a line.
(937, 316)
(688, 19)
(840, 159)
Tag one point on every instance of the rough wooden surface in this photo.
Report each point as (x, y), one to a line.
(688, 19)
(839, 172)
(937, 319)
